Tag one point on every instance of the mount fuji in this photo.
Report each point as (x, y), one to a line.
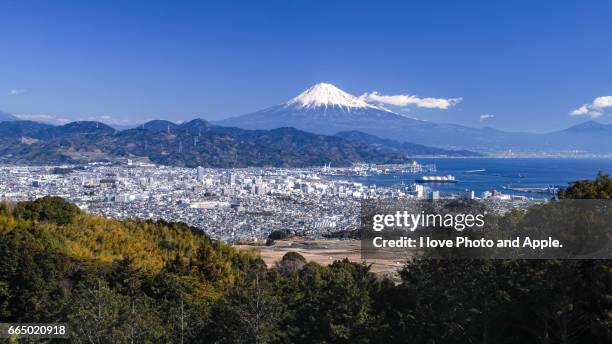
(326, 109)
(322, 109)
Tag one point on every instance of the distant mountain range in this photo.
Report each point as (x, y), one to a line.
(195, 143)
(325, 109)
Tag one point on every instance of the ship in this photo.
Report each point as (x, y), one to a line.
(437, 179)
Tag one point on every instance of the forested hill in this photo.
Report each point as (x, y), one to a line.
(195, 143)
(153, 282)
(58, 264)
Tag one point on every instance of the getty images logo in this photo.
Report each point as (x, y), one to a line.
(411, 221)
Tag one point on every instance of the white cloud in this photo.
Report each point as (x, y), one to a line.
(16, 92)
(43, 118)
(403, 100)
(595, 109)
(583, 110)
(59, 120)
(108, 120)
(602, 102)
(486, 117)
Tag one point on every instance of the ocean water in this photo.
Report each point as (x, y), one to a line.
(500, 173)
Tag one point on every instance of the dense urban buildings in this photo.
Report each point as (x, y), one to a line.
(229, 204)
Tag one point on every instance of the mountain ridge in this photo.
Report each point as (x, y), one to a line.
(191, 144)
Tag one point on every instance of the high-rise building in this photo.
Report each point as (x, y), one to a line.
(435, 195)
(420, 191)
(200, 173)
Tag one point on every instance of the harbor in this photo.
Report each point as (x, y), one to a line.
(529, 177)
(365, 170)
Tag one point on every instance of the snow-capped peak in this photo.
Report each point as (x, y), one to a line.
(328, 95)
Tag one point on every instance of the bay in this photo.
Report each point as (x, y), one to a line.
(485, 174)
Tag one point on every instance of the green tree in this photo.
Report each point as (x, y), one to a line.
(47, 209)
(600, 188)
(99, 315)
(290, 264)
(248, 314)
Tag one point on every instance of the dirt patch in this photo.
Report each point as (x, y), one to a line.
(324, 252)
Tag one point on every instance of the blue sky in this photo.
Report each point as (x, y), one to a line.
(528, 64)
